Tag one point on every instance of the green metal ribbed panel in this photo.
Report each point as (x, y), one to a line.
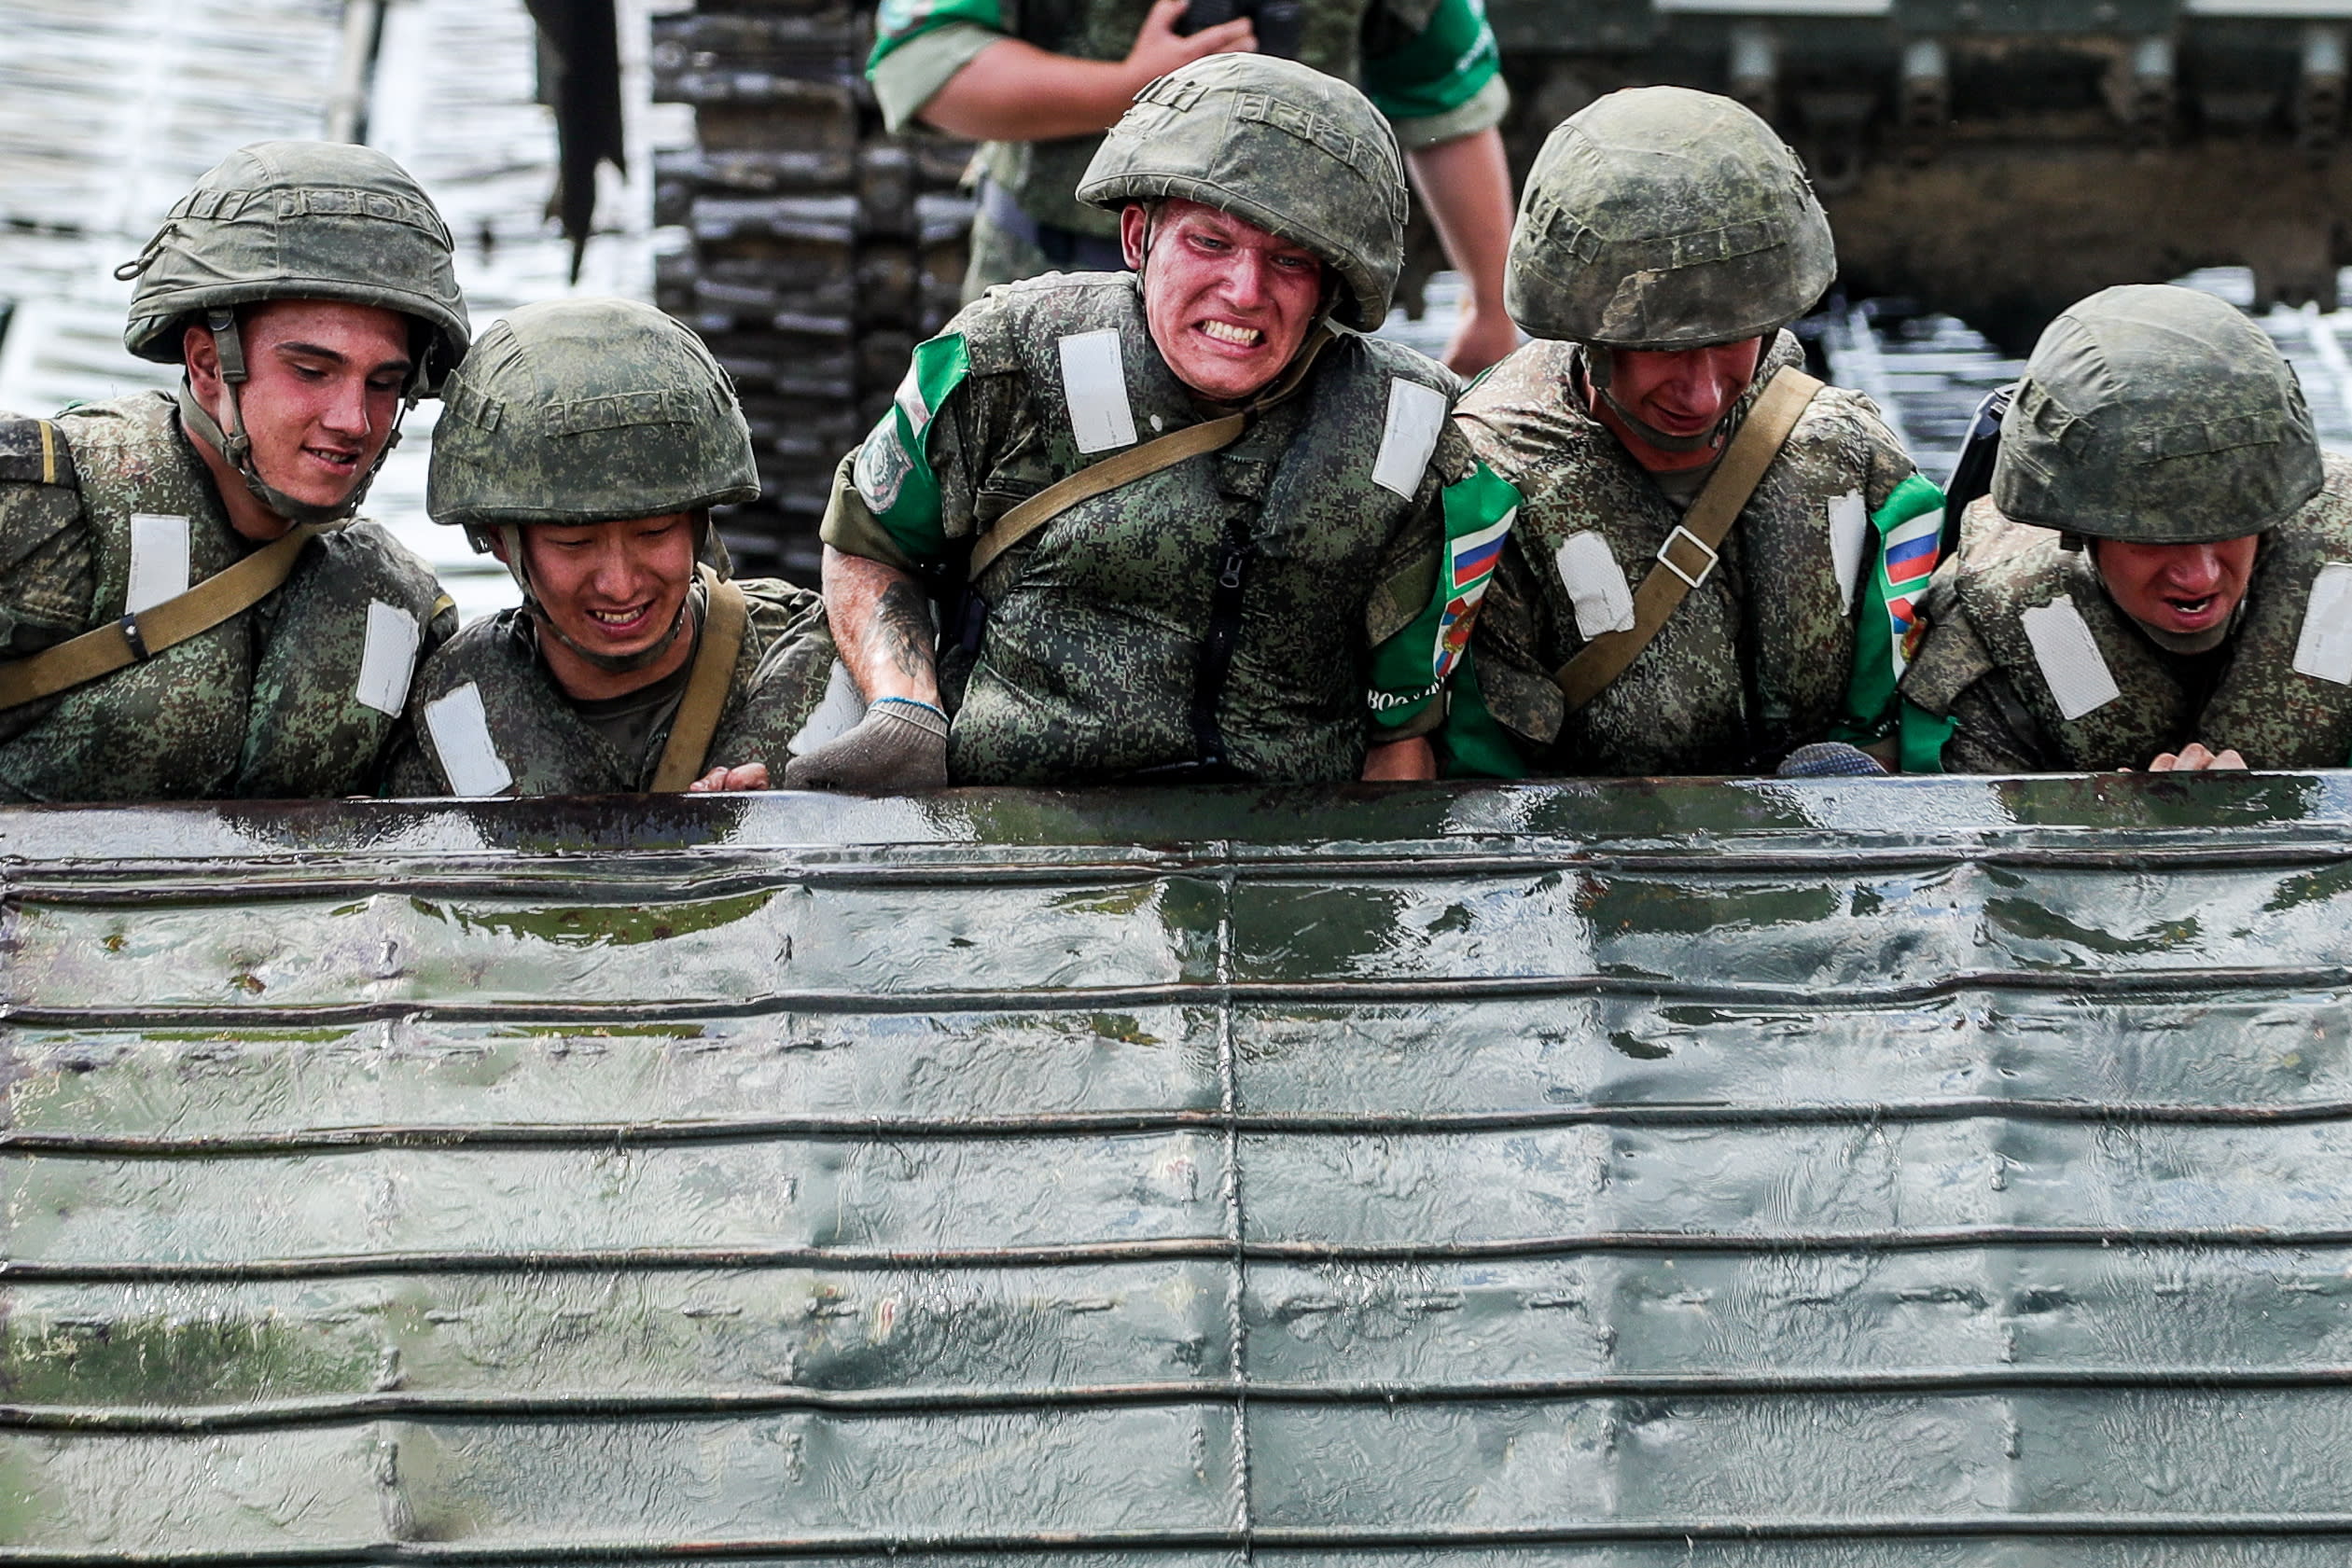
(1838, 1172)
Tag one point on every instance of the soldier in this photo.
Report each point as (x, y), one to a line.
(2208, 620)
(1040, 80)
(189, 612)
(1699, 580)
(583, 444)
(1209, 529)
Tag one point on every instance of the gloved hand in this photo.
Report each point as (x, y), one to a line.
(1824, 759)
(899, 744)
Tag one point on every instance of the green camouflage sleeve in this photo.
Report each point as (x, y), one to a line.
(47, 573)
(1437, 590)
(1447, 66)
(919, 43)
(888, 503)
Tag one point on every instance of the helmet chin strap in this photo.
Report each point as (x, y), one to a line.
(511, 534)
(237, 447)
(1599, 365)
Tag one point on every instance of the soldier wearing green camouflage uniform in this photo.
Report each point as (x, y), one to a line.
(1667, 220)
(1266, 612)
(571, 414)
(1430, 65)
(111, 511)
(2153, 417)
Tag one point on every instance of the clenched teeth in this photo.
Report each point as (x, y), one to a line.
(1224, 332)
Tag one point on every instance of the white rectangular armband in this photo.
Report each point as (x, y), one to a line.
(2324, 650)
(159, 561)
(1416, 415)
(1094, 385)
(389, 659)
(461, 738)
(1850, 531)
(2072, 663)
(1596, 584)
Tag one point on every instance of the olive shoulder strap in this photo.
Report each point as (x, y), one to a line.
(139, 637)
(1691, 552)
(1097, 479)
(705, 699)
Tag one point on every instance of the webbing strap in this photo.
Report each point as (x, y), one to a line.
(1095, 479)
(136, 638)
(690, 732)
(1691, 552)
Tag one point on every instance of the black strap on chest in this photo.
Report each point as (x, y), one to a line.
(1217, 645)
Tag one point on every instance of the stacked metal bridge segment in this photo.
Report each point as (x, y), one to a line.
(1998, 159)
(1924, 1171)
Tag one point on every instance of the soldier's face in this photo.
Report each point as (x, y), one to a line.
(614, 589)
(323, 392)
(1682, 392)
(2186, 589)
(1228, 303)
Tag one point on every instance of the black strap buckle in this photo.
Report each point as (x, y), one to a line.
(129, 627)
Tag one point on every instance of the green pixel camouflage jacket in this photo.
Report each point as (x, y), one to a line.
(1768, 653)
(2038, 669)
(1352, 529)
(487, 718)
(295, 697)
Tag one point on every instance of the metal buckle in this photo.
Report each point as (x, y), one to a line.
(1666, 560)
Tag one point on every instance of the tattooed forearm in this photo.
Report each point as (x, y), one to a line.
(882, 624)
(902, 630)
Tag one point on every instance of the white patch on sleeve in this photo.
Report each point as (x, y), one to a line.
(1850, 531)
(882, 468)
(389, 659)
(2324, 651)
(1416, 414)
(910, 400)
(2072, 663)
(1094, 385)
(461, 738)
(836, 715)
(159, 561)
(1596, 584)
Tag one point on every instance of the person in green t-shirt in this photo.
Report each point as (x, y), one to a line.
(1040, 80)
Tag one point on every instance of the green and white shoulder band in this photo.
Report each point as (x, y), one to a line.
(893, 472)
(1410, 669)
(902, 21)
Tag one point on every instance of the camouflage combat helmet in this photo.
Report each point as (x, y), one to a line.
(301, 220)
(1659, 217)
(2159, 415)
(1303, 156)
(295, 220)
(577, 411)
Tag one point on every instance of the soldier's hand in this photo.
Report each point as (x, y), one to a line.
(751, 775)
(1160, 48)
(1401, 759)
(2195, 757)
(899, 744)
(1481, 338)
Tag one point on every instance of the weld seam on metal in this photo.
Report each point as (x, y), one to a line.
(610, 1135)
(1236, 1313)
(2178, 982)
(912, 1549)
(1966, 1382)
(1204, 1249)
(116, 882)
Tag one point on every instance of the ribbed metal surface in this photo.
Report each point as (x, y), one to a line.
(1929, 1170)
